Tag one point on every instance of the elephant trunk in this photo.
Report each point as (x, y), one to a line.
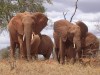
(61, 51)
(28, 34)
(77, 45)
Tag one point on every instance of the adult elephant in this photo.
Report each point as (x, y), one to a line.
(22, 25)
(63, 31)
(91, 45)
(45, 47)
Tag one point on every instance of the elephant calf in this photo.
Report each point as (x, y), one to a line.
(45, 47)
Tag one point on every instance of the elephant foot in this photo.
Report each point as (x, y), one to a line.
(62, 62)
(29, 58)
(72, 60)
(22, 57)
(12, 59)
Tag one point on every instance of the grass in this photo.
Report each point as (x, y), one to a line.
(47, 67)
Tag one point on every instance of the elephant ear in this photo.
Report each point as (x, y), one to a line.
(17, 23)
(61, 28)
(41, 22)
(83, 27)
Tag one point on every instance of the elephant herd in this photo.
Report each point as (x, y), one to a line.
(70, 39)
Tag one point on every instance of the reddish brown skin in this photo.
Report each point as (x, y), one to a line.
(45, 47)
(64, 30)
(70, 52)
(84, 31)
(25, 23)
(67, 31)
(35, 42)
(91, 43)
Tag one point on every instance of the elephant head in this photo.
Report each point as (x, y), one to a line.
(74, 35)
(61, 29)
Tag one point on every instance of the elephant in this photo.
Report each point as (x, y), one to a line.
(63, 31)
(21, 27)
(45, 47)
(91, 45)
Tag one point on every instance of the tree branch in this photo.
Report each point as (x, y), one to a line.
(74, 11)
(64, 14)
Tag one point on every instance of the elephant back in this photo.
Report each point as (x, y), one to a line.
(46, 44)
(83, 27)
(41, 22)
(61, 27)
(91, 39)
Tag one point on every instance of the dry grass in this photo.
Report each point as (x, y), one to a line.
(48, 67)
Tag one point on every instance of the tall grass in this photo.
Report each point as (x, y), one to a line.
(47, 67)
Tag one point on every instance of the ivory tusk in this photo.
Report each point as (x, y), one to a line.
(32, 36)
(23, 37)
(74, 45)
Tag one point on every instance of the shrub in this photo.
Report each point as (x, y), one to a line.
(4, 53)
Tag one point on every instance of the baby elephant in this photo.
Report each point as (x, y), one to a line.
(45, 47)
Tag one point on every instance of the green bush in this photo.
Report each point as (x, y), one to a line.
(4, 53)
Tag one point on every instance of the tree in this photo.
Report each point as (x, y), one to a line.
(8, 8)
(97, 25)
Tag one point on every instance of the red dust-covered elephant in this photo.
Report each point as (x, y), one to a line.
(63, 31)
(21, 27)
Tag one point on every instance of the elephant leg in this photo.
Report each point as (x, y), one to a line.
(57, 53)
(79, 55)
(12, 50)
(46, 56)
(62, 52)
(61, 57)
(20, 39)
(35, 56)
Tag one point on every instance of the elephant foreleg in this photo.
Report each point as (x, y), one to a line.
(12, 50)
(21, 43)
(57, 53)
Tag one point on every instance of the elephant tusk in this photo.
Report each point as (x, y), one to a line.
(74, 45)
(32, 36)
(23, 37)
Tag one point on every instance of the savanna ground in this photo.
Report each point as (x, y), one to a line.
(47, 67)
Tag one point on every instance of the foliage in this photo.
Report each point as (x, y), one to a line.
(8, 8)
(97, 25)
(4, 53)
